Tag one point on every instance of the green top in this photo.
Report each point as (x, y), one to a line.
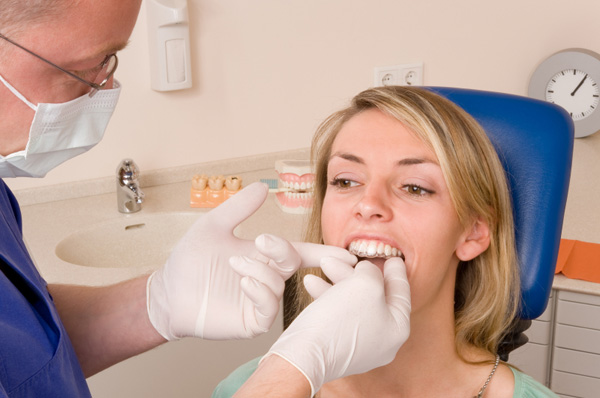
(228, 386)
(525, 386)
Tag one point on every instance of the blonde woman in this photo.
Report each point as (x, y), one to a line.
(403, 172)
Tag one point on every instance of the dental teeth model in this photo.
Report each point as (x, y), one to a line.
(372, 249)
(216, 183)
(295, 183)
(214, 190)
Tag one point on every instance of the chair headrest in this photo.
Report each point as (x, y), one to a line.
(534, 140)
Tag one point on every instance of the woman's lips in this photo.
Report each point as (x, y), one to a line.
(372, 248)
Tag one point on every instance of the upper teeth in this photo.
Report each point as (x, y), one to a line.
(372, 248)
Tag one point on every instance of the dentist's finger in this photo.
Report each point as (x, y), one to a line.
(312, 253)
(397, 289)
(369, 270)
(285, 259)
(240, 206)
(258, 271)
(315, 286)
(335, 269)
(266, 303)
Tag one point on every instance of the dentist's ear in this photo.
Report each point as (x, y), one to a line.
(474, 241)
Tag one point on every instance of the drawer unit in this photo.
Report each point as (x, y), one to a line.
(583, 313)
(577, 362)
(576, 353)
(577, 338)
(563, 351)
(572, 385)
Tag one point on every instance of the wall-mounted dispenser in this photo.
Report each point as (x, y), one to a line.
(169, 44)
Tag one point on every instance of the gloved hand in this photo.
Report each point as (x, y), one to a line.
(354, 326)
(197, 293)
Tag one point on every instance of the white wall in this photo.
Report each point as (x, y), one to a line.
(267, 71)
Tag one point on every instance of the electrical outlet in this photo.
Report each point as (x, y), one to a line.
(399, 75)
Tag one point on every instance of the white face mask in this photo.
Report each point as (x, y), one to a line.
(60, 132)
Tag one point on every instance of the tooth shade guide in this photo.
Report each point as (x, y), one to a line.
(214, 190)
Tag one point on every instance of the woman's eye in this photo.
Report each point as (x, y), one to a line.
(416, 190)
(343, 183)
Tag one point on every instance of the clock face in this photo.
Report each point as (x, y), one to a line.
(574, 90)
(570, 79)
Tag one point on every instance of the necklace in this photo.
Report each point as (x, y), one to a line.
(480, 393)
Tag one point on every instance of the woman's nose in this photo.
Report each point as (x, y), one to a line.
(373, 204)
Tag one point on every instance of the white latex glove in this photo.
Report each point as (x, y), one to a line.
(354, 326)
(197, 293)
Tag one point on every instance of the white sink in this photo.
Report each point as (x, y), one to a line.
(132, 241)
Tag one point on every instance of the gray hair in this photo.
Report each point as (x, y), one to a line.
(16, 15)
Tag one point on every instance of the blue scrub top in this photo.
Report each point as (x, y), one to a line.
(36, 356)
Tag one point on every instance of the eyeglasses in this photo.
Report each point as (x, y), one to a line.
(105, 70)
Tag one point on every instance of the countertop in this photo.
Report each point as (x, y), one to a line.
(561, 282)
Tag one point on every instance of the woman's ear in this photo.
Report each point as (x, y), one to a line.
(474, 241)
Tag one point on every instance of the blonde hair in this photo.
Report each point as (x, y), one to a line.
(487, 288)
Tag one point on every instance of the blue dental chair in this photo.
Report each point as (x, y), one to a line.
(534, 140)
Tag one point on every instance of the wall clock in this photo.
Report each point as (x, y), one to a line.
(570, 78)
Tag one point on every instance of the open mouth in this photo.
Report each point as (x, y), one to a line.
(366, 248)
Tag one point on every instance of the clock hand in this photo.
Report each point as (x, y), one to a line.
(579, 85)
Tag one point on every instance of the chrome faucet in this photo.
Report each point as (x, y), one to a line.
(129, 194)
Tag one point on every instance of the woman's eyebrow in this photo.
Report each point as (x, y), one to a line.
(414, 161)
(347, 156)
(402, 162)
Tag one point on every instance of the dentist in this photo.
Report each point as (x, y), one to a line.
(57, 94)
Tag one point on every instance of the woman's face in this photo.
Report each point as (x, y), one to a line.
(386, 192)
